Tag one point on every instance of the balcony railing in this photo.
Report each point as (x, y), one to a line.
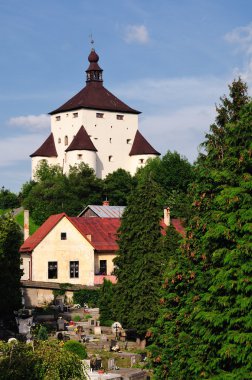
(99, 278)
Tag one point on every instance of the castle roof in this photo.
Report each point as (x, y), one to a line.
(94, 95)
(81, 141)
(47, 149)
(141, 146)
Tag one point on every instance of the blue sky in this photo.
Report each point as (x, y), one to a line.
(170, 59)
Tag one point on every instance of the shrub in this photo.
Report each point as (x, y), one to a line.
(89, 296)
(77, 318)
(76, 348)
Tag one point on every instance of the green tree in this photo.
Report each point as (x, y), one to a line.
(55, 192)
(10, 274)
(138, 262)
(106, 302)
(8, 200)
(42, 361)
(117, 186)
(76, 348)
(174, 174)
(205, 321)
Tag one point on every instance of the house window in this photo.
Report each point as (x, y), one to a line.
(119, 117)
(75, 114)
(79, 156)
(74, 269)
(66, 140)
(103, 267)
(128, 141)
(57, 118)
(99, 115)
(63, 236)
(52, 269)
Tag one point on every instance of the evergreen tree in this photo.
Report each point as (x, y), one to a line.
(10, 273)
(106, 302)
(139, 259)
(204, 328)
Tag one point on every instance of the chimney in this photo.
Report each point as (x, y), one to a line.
(105, 203)
(26, 224)
(167, 218)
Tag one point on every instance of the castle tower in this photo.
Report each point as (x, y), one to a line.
(97, 128)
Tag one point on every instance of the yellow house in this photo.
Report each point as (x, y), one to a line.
(78, 251)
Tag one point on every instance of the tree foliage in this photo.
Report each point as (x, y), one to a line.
(10, 273)
(204, 327)
(8, 200)
(138, 263)
(174, 174)
(106, 302)
(117, 186)
(55, 192)
(42, 361)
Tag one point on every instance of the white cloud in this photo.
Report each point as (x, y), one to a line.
(136, 33)
(242, 37)
(16, 149)
(31, 122)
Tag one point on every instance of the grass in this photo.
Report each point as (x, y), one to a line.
(20, 220)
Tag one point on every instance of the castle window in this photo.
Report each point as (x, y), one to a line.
(57, 118)
(128, 141)
(141, 161)
(99, 115)
(75, 114)
(79, 156)
(110, 140)
(111, 158)
(119, 117)
(66, 140)
(52, 269)
(59, 140)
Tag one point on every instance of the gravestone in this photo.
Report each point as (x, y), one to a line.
(111, 363)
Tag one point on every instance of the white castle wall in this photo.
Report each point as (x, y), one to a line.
(112, 138)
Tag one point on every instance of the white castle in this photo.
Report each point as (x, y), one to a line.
(96, 128)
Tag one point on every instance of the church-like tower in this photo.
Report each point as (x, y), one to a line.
(96, 128)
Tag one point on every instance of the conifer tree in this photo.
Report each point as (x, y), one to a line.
(139, 259)
(204, 328)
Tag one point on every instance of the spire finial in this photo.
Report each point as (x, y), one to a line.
(91, 40)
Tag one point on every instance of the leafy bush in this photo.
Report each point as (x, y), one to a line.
(76, 348)
(89, 296)
(77, 318)
(42, 333)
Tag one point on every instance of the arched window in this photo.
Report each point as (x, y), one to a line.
(66, 140)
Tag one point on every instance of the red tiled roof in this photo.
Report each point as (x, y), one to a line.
(32, 241)
(177, 224)
(141, 146)
(81, 141)
(47, 149)
(103, 232)
(95, 96)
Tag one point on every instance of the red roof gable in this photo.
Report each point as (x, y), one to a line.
(95, 96)
(32, 241)
(47, 149)
(141, 146)
(81, 141)
(102, 231)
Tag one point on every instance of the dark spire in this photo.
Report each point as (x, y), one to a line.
(94, 72)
